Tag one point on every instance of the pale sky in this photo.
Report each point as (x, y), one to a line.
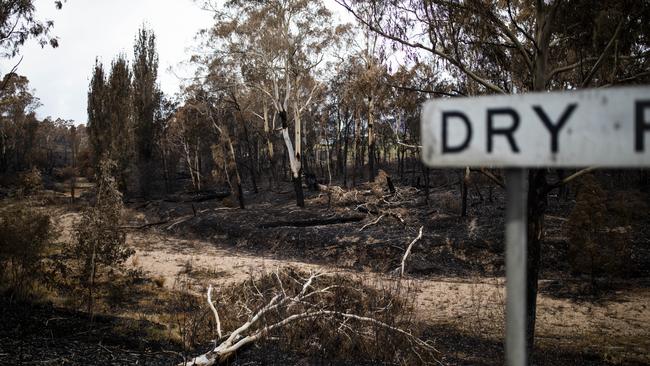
(103, 28)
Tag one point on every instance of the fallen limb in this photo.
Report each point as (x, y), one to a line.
(215, 312)
(179, 221)
(375, 222)
(202, 197)
(312, 222)
(208, 197)
(408, 251)
(570, 178)
(284, 309)
(144, 226)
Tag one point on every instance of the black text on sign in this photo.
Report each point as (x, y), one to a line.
(598, 127)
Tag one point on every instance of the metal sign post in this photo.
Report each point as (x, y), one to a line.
(516, 214)
(597, 127)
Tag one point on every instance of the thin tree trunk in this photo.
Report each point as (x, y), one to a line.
(355, 150)
(270, 149)
(345, 154)
(338, 148)
(163, 156)
(425, 173)
(537, 183)
(251, 163)
(463, 190)
(371, 138)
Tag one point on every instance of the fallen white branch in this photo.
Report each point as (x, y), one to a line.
(246, 334)
(372, 223)
(214, 311)
(408, 251)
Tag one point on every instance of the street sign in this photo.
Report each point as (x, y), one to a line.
(596, 127)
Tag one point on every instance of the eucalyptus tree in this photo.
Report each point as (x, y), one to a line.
(516, 46)
(226, 91)
(347, 98)
(223, 113)
(187, 129)
(17, 119)
(277, 45)
(18, 23)
(350, 91)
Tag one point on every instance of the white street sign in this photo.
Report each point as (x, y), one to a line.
(597, 127)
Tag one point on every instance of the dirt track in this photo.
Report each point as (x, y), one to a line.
(615, 327)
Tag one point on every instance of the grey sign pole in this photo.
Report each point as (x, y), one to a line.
(516, 218)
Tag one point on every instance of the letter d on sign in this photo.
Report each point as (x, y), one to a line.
(458, 116)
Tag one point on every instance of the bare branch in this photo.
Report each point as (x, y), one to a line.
(570, 178)
(214, 311)
(427, 91)
(418, 45)
(9, 75)
(596, 66)
(519, 28)
(508, 33)
(375, 222)
(568, 67)
(408, 251)
(491, 177)
(238, 339)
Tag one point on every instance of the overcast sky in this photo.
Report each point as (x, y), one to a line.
(103, 28)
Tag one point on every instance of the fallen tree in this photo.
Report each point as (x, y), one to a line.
(313, 222)
(303, 309)
(199, 197)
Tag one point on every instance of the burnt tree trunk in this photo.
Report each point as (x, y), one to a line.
(537, 204)
(464, 182)
(371, 138)
(251, 162)
(463, 193)
(355, 149)
(538, 187)
(425, 173)
(345, 154)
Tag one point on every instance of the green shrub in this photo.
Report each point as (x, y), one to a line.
(25, 235)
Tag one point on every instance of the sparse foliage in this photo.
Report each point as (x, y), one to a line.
(18, 23)
(99, 240)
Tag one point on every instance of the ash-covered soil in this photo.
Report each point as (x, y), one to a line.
(42, 334)
(369, 231)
